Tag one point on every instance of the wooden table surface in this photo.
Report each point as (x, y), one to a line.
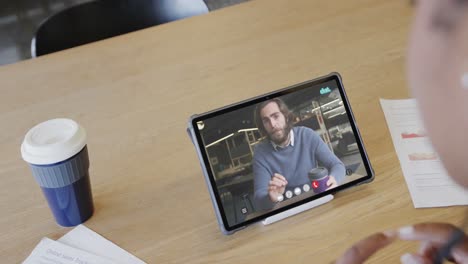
(134, 94)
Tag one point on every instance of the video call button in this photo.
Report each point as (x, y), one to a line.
(297, 191)
(280, 198)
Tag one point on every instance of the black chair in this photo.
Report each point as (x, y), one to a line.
(101, 19)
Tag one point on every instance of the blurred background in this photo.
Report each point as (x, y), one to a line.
(20, 19)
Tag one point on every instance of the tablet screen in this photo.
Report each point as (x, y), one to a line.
(278, 151)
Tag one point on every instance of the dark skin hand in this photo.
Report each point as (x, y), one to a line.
(431, 236)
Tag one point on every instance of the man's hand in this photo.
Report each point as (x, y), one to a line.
(331, 183)
(276, 186)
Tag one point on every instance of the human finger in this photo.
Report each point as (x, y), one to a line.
(365, 248)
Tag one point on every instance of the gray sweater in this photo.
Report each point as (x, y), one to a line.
(293, 162)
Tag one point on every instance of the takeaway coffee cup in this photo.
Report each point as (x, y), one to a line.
(57, 155)
(318, 179)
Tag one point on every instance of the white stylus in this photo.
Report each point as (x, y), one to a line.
(296, 210)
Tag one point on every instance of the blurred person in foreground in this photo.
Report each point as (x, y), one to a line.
(437, 68)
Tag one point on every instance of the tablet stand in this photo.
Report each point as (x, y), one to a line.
(296, 210)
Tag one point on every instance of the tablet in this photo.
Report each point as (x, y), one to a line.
(277, 151)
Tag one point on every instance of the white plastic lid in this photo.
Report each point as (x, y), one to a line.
(53, 141)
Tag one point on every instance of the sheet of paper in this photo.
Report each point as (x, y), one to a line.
(52, 252)
(426, 177)
(86, 239)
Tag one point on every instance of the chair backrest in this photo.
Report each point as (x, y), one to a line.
(101, 19)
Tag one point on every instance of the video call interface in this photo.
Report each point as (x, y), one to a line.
(277, 152)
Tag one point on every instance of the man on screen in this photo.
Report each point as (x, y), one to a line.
(283, 160)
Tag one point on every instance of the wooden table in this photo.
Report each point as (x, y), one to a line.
(135, 93)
